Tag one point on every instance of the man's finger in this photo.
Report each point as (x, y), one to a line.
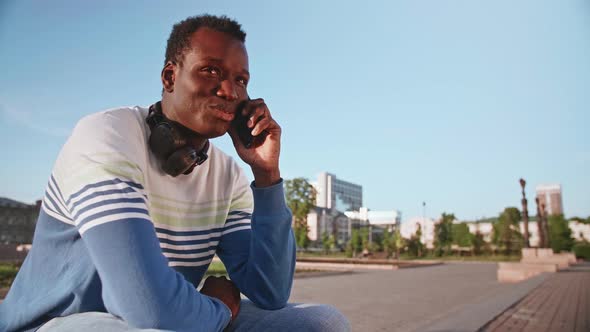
(258, 114)
(253, 105)
(261, 126)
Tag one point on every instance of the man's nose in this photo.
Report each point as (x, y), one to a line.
(227, 90)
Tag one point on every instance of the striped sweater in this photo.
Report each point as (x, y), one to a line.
(115, 234)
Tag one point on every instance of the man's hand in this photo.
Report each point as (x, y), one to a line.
(263, 156)
(224, 290)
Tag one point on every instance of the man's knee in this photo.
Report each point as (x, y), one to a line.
(322, 318)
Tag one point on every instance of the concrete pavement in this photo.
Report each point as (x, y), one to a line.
(449, 297)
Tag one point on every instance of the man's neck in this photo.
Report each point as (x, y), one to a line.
(196, 140)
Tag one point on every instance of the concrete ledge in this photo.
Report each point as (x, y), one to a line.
(539, 267)
(516, 272)
(346, 260)
(343, 266)
(316, 274)
(355, 263)
(529, 252)
(544, 252)
(571, 258)
(563, 262)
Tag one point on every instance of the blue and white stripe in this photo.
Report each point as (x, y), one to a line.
(53, 203)
(115, 200)
(106, 201)
(196, 246)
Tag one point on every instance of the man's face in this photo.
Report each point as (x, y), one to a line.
(204, 91)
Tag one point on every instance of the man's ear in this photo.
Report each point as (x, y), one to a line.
(168, 76)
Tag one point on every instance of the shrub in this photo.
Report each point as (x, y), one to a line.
(7, 274)
(582, 250)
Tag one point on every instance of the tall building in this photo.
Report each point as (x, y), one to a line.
(333, 193)
(550, 196)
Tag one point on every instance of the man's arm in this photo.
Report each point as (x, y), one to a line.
(261, 261)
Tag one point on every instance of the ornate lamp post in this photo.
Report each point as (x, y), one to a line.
(525, 214)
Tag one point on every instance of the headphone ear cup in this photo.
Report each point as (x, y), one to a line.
(161, 140)
(165, 139)
(181, 161)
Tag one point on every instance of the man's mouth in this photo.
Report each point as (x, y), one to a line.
(223, 112)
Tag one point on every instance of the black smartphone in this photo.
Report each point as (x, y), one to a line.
(241, 124)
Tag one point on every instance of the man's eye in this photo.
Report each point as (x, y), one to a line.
(242, 81)
(212, 70)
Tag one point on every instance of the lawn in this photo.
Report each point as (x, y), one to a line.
(216, 268)
(404, 256)
(482, 258)
(314, 254)
(7, 274)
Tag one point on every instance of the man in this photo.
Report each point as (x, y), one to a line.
(139, 202)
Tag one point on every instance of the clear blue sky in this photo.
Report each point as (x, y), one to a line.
(447, 102)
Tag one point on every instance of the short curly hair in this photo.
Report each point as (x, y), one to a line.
(179, 40)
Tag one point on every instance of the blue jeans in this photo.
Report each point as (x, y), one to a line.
(293, 317)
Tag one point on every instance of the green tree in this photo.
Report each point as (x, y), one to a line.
(415, 246)
(300, 197)
(507, 231)
(388, 243)
(461, 235)
(355, 244)
(377, 243)
(328, 242)
(443, 234)
(477, 243)
(560, 234)
(301, 236)
(581, 220)
(364, 235)
(400, 242)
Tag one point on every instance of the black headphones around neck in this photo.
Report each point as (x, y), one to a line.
(169, 141)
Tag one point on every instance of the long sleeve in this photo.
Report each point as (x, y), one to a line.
(98, 188)
(260, 259)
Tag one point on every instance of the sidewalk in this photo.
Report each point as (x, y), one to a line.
(561, 303)
(448, 297)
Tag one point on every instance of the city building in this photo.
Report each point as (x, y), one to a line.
(322, 221)
(580, 232)
(340, 209)
(550, 196)
(377, 221)
(426, 225)
(17, 221)
(333, 193)
(487, 230)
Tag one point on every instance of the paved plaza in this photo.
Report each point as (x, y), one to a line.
(561, 303)
(449, 297)
(452, 297)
